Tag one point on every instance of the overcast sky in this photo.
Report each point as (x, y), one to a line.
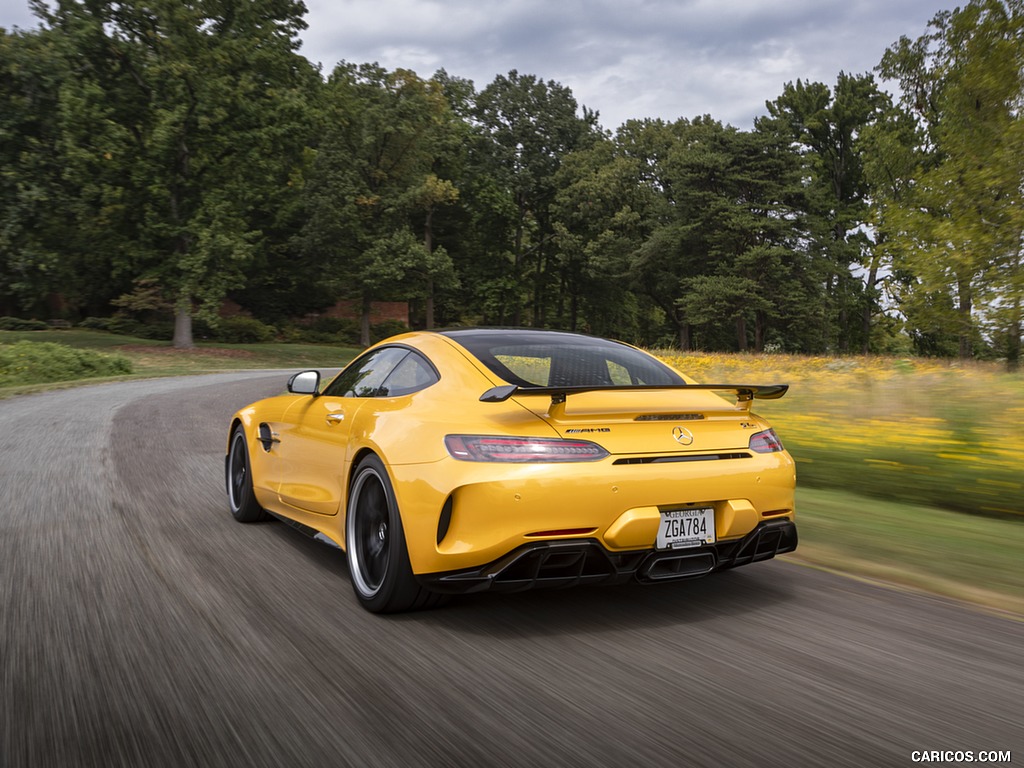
(624, 58)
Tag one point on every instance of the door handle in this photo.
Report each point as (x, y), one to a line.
(334, 418)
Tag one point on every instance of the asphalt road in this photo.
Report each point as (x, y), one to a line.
(141, 626)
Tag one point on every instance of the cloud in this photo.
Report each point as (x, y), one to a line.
(625, 58)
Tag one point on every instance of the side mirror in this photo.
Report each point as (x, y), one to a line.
(305, 383)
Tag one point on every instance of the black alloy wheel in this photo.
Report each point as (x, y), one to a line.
(375, 545)
(238, 478)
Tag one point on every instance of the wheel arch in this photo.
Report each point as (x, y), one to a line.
(242, 500)
(357, 459)
(235, 423)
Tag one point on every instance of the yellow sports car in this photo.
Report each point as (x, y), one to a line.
(473, 459)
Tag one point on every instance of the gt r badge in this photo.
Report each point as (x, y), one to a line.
(682, 435)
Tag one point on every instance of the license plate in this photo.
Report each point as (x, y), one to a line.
(681, 528)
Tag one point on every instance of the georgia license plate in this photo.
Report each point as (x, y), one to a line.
(681, 528)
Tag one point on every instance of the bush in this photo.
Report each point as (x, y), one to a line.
(201, 330)
(386, 329)
(337, 326)
(95, 323)
(124, 326)
(158, 330)
(231, 330)
(322, 330)
(290, 334)
(17, 324)
(316, 337)
(243, 330)
(31, 362)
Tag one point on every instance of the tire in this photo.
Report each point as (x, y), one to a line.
(238, 479)
(375, 546)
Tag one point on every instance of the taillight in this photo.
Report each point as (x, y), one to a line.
(765, 442)
(521, 449)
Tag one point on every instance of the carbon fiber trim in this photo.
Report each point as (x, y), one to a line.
(571, 562)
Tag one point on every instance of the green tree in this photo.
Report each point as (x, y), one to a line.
(598, 213)
(430, 196)
(721, 258)
(372, 185)
(35, 227)
(179, 121)
(825, 127)
(525, 126)
(959, 228)
(657, 260)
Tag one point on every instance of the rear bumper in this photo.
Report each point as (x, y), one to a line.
(574, 562)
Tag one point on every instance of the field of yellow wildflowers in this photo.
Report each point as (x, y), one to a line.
(922, 431)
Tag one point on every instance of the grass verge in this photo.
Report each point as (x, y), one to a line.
(156, 358)
(45, 362)
(965, 557)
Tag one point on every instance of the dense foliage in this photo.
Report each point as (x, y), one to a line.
(162, 157)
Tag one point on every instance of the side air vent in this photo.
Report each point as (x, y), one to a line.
(677, 459)
(670, 417)
(266, 437)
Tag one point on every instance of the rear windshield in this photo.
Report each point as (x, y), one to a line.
(550, 359)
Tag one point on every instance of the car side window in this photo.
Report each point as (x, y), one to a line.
(412, 374)
(364, 377)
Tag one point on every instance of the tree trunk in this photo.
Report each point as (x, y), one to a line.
(684, 336)
(966, 305)
(364, 322)
(540, 314)
(574, 310)
(183, 328)
(869, 309)
(183, 314)
(428, 243)
(563, 283)
(430, 303)
(1013, 341)
(826, 311)
(517, 312)
(741, 333)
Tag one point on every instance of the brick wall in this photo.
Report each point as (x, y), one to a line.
(349, 309)
(379, 310)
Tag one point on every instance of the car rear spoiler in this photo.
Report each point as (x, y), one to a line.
(744, 392)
